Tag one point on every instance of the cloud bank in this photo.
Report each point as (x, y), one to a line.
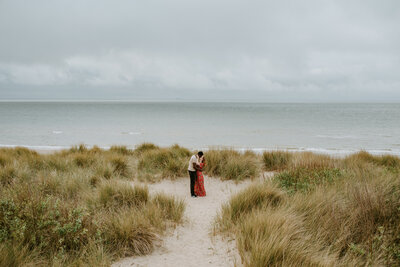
(215, 50)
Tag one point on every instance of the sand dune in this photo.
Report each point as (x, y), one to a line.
(192, 243)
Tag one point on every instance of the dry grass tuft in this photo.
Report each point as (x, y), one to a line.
(117, 194)
(120, 165)
(122, 150)
(145, 147)
(165, 162)
(128, 233)
(276, 160)
(171, 207)
(7, 175)
(231, 165)
(84, 160)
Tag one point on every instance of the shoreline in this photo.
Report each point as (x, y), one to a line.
(324, 151)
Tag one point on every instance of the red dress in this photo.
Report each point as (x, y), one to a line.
(199, 184)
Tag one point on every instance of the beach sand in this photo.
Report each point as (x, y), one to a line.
(193, 242)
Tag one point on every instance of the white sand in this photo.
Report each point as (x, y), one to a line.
(192, 243)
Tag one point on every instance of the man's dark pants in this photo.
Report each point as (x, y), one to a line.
(193, 177)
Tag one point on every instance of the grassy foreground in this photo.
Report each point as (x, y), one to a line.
(77, 208)
(319, 211)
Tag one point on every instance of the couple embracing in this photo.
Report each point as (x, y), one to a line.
(196, 164)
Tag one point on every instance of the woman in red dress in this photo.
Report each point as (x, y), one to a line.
(199, 184)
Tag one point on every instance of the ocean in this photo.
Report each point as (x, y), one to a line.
(323, 128)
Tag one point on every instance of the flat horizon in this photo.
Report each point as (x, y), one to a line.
(193, 101)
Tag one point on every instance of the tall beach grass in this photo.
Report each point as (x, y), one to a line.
(319, 211)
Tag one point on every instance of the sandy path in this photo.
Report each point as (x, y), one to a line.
(192, 243)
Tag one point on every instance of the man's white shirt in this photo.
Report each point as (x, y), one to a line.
(192, 160)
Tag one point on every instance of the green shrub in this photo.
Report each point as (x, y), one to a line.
(44, 224)
(300, 179)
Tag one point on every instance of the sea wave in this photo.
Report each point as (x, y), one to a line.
(131, 133)
(337, 136)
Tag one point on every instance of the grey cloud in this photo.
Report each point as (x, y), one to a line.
(315, 50)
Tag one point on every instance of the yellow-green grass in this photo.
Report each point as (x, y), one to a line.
(316, 212)
(232, 165)
(283, 160)
(77, 208)
(276, 160)
(157, 163)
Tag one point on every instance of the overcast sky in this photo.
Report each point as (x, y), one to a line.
(253, 50)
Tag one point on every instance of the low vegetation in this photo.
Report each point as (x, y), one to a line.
(232, 165)
(157, 163)
(319, 211)
(82, 207)
(77, 208)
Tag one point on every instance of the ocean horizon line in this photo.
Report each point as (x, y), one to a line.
(187, 101)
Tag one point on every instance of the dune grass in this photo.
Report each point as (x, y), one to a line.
(319, 211)
(231, 165)
(77, 208)
(276, 160)
(158, 163)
